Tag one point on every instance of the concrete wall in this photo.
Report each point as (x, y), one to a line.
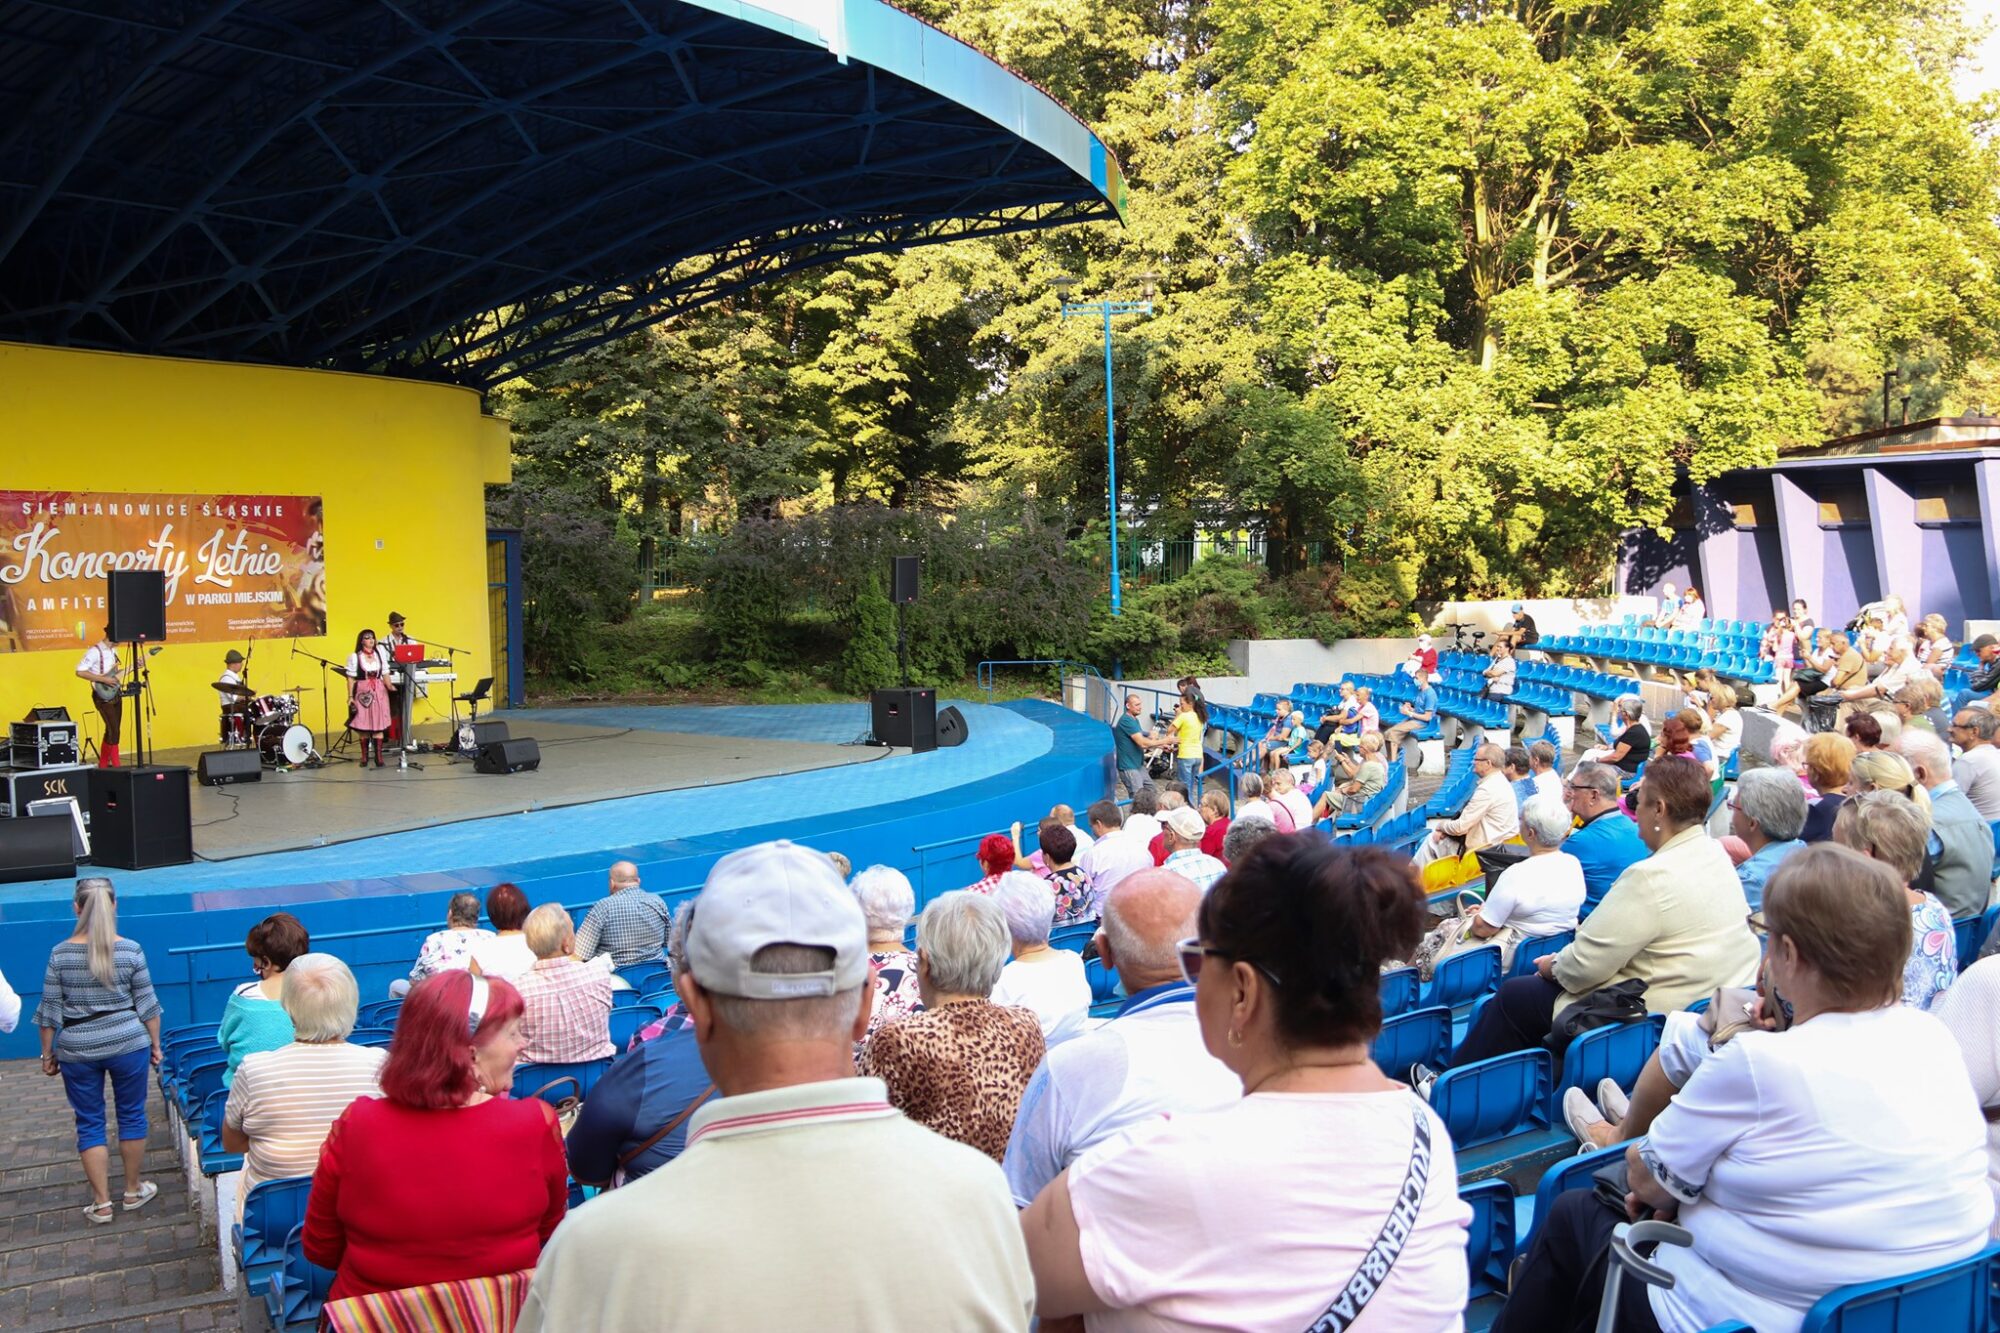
(1275, 665)
(1553, 615)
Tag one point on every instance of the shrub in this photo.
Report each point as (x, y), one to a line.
(870, 657)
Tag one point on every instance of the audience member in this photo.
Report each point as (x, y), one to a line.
(996, 855)
(1520, 632)
(764, 1222)
(959, 1067)
(284, 1101)
(1422, 663)
(628, 923)
(1369, 716)
(1631, 743)
(1889, 828)
(1985, 676)
(566, 1002)
(1130, 741)
(1074, 903)
(1970, 1011)
(1756, 1154)
(1692, 612)
(1365, 775)
(636, 1117)
(1519, 772)
(1673, 921)
(1347, 718)
(1541, 894)
(10, 1005)
(1865, 730)
(1066, 816)
(449, 949)
(1117, 852)
(1416, 713)
(887, 903)
(1039, 977)
(253, 1020)
(1286, 734)
(1142, 819)
(1767, 812)
(1925, 698)
(1285, 795)
(1500, 674)
(1147, 1061)
(1885, 770)
(1977, 768)
(1670, 606)
(1901, 668)
(377, 1215)
(1245, 832)
(1606, 842)
(99, 1018)
(1489, 818)
(1725, 721)
(1829, 760)
(1215, 818)
(505, 955)
(1963, 840)
(1542, 771)
(1184, 855)
(1199, 1220)
(1250, 803)
(841, 865)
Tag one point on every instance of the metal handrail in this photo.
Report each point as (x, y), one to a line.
(986, 675)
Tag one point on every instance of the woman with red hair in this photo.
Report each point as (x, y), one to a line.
(996, 857)
(443, 1177)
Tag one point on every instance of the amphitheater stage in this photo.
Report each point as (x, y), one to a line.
(367, 860)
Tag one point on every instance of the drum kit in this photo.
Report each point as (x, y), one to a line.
(269, 724)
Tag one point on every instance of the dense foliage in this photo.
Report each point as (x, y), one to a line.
(1450, 293)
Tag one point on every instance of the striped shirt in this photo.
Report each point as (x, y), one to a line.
(568, 1014)
(630, 925)
(95, 1021)
(285, 1101)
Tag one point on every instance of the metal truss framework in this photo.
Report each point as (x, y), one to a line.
(462, 190)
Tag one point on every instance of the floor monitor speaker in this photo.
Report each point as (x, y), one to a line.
(486, 731)
(139, 817)
(41, 847)
(219, 768)
(137, 605)
(510, 756)
(905, 717)
(950, 727)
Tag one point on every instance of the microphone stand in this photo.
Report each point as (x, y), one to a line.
(454, 746)
(333, 748)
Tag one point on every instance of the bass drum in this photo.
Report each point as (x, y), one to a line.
(285, 745)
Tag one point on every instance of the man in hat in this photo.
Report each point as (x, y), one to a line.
(234, 702)
(1521, 632)
(396, 640)
(763, 1220)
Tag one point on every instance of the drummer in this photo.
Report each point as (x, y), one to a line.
(230, 688)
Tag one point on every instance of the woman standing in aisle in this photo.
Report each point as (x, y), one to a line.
(368, 694)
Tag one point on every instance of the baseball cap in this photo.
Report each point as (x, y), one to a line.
(1983, 642)
(1515, 607)
(1186, 823)
(775, 893)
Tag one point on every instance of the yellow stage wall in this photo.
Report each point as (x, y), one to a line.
(401, 469)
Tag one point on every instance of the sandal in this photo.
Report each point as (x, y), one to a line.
(98, 1213)
(147, 1190)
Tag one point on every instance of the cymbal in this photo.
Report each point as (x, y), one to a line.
(240, 691)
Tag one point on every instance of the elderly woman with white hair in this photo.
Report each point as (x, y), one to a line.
(1541, 894)
(283, 1101)
(1048, 980)
(961, 1065)
(1631, 742)
(888, 902)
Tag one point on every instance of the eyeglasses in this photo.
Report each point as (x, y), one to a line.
(1757, 924)
(1192, 951)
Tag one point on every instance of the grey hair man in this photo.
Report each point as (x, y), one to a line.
(567, 1001)
(1491, 815)
(1244, 832)
(1542, 770)
(283, 1101)
(628, 923)
(1605, 842)
(1118, 851)
(1183, 834)
(1147, 1061)
(1964, 878)
(1977, 768)
(1768, 812)
(732, 1233)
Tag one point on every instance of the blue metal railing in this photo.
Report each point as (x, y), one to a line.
(988, 670)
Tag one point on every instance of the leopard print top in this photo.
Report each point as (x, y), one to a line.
(959, 1069)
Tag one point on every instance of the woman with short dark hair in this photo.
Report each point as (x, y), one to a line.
(505, 953)
(1262, 1215)
(1847, 1147)
(254, 1019)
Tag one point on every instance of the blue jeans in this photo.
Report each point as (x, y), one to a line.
(83, 1082)
(1189, 772)
(1965, 698)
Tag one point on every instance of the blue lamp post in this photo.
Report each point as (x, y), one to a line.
(1105, 310)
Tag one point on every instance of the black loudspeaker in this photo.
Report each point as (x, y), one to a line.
(902, 579)
(950, 727)
(38, 848)
(139, 817)
(137, 599)
(486, 733)
(512, 756)
(219, 768)
(905, 717)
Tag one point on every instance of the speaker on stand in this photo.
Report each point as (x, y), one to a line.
(136, 612)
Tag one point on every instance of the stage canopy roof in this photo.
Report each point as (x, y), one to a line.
(462, 189)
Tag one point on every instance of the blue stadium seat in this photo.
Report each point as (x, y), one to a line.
(1400, 989)
(1617, 1052)
(1995, 827)
(1103, 981)
(624, 999)
(1972, 934)
(1074, 938)
(1951, 1298)
(1420, 1037)
(627, 1021)
(1571, 1173)
(1463, 977)
(552, 1082)
(372, 1037)
(270, 1212)
(194, 1087)
(292, 1300)
(1489, 1249)
(641, 976)
(379, 1014)
(215, 1159)
(1491, 1099)
(1528, 950)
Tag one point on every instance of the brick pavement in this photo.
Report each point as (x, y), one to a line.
(149, 1270)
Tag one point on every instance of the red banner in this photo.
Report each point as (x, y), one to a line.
(236, 566)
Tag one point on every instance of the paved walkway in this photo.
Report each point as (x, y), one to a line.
(149, 1270)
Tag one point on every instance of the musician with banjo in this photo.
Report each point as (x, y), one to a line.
(100, 666)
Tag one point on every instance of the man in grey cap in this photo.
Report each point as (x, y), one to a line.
(776, 1214)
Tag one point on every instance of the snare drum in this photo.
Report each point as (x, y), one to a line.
(267, 709)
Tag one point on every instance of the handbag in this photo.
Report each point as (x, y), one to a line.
(569, 1107)
(1809, 680)
(626, 1159)
(1373, 1272)
(1454, 934)
(1624, 1002)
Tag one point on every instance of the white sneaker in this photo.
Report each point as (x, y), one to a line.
(1421, 1078)
(1611, 1099)
(1579, 1113)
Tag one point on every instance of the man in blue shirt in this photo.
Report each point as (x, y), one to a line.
(1606, 842)
(1417, 714)
(1767, 812)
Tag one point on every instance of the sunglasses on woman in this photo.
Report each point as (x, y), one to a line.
(1192, 951)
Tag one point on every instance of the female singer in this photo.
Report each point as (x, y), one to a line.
(368, 694)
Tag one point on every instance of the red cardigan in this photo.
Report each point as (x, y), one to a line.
(405, 1197)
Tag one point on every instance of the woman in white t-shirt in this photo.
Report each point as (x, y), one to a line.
(1847, 1148)
(1047, 980)
(1970, 1011)
(505, 953)
(1262, 1216)
(1252, 805)
(1541, 895)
